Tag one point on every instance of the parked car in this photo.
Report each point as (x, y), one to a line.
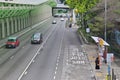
(36, 38)
(12, 42)
(54, 22)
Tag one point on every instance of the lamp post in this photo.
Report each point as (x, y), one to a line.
(109, 64)
(105, 19)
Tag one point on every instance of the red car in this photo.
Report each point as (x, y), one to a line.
(12, 42)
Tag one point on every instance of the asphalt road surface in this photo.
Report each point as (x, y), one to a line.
(58, 58)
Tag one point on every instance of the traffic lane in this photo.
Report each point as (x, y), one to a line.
(16, 64)
(10, 68)
(45, 64)
(71, 37)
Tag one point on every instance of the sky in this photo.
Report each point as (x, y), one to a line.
(35, 2)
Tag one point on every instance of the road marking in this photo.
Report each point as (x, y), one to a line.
(11, 57)
(57, 64)
(55, 72)
(58, 58)
(54, 77)
(25, 73)
(56, 68)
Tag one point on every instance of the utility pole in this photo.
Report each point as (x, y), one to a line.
(105, 19)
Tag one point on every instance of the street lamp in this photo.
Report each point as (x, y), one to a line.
(109, 64)
(105, 49)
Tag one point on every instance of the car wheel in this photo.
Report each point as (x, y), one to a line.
(31, 42)
(6, 46)
(15, 46)
(39, 42)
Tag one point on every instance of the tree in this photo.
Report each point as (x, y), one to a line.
(83, 7)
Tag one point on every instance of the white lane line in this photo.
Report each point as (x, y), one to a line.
(67, 62)
(58, 58)
(57, 64)
(56, 68)
(55, 72)
(54, 77)
(25, 72)
(11, 57)
(38, 51)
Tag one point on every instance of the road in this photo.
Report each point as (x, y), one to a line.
(57, 58)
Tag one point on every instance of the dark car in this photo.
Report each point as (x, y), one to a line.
(12, 42)
(36, 38)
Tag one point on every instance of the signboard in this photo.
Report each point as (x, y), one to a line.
(110, 57)
(87, 30)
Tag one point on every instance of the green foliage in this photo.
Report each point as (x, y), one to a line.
(52, 3)
(82, 5)
(117, 12)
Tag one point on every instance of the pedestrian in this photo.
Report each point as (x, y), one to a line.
(97, 63)
(70, 25)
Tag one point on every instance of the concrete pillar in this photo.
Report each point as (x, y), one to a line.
(8, 26)
(15, 24)
(18, 22)
(21, 27)
(0, 29)
(3, 29)
(24, 22)
(12, 26)
(28, 23)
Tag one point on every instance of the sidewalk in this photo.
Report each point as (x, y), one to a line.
(91, 51)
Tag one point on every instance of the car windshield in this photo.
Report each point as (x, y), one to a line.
(11, 40)
(36, 37)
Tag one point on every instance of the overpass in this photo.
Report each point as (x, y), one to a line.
(60, 7)
(16, 15)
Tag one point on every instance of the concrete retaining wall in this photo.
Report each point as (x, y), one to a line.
(12, 25)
